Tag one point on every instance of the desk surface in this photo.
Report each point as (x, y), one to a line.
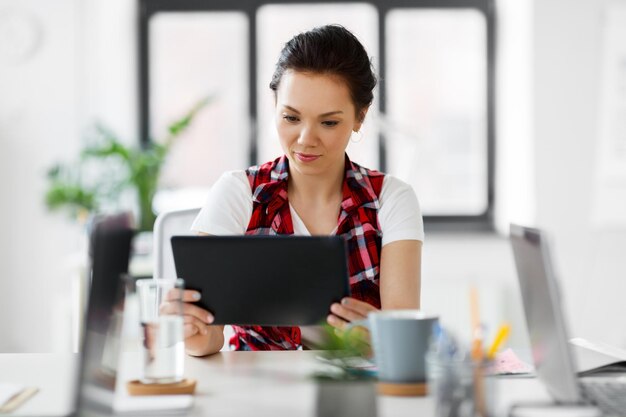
(231, 384)
(52, 373)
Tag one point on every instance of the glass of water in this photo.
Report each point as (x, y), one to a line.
(161, 316)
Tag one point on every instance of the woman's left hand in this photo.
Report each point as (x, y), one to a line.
(349, 310)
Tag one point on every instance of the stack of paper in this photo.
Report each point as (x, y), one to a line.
(508, 363)
(593, 357)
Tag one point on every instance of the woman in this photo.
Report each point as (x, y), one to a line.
(323, 87)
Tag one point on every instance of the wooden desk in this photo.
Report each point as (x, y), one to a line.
(229, 384)
(268, 383)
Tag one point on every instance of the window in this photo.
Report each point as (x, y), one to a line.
(193, 56)
(431, 123)
(437, 107)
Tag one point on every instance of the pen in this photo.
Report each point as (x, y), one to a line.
(503, 333)
(477, 344)
(477, 355)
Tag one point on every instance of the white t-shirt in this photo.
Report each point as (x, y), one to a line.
(228, 209)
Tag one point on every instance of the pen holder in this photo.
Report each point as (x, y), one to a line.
(460, 387)
(349, 398)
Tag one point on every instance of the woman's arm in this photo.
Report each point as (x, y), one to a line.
(400, 274)
(400, 279)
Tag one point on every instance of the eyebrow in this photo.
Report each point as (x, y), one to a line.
(330, 113)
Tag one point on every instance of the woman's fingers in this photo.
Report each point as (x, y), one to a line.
(345, 313)
(360, 335)
(351, 309)
(201, 327)
(336, 322)
(189, 296)
(196, 319)
(197, 312)
(358, 306)
(167, 307)
(188, 309)
(190, 330)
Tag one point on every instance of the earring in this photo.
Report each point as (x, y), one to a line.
(359, 136)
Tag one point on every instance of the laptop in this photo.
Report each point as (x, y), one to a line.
(554, 361)
(99, 390)
(264, 280)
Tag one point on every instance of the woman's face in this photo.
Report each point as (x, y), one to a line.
(315, 117)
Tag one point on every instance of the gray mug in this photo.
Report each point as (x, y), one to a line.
(400, 340)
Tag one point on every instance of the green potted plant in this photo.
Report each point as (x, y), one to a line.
(344, 348)
(107, 167)
(345, 387)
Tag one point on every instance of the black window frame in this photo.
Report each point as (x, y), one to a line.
(148, 8)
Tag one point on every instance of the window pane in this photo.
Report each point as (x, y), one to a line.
(193, 55)
(436, 125)
(276, 24)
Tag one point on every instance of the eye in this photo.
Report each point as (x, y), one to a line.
(290, 118)
(330, 123)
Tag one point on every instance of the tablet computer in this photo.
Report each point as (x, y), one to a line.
(264, 280)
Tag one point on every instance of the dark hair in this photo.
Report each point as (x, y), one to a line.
(330, 49)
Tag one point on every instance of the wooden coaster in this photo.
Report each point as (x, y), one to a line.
(404, 390)
(186, 386)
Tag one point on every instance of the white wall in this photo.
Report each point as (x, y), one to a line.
(108, 62)
(86, 68)
(550, 77)
(567, 72)
(38, 125)
(452, 264)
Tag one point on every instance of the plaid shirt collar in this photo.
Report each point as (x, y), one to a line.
(357, 189)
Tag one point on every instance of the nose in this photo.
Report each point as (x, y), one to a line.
(307, 137)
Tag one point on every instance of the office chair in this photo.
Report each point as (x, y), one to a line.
(168, 224)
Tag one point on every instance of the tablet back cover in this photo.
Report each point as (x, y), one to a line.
(264, 280)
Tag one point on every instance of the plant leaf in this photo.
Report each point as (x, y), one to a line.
(183, 123)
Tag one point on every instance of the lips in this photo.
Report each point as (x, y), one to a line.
(304, 157)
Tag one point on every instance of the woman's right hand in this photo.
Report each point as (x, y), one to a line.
(201, 337)
(196, 319)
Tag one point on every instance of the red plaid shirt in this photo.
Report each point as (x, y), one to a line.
(357, 224)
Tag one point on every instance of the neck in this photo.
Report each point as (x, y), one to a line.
(325, 187)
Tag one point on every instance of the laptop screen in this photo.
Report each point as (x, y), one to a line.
(544, 316)
(110, 248)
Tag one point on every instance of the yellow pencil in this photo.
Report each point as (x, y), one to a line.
(503, 333)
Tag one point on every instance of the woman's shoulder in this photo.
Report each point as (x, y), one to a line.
(393, 186)
(400, 215)
(232, 181)
(234, 176)
(396, 194)
(228, 206)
